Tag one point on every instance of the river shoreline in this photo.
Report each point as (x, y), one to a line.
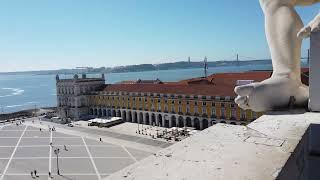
(26, 113)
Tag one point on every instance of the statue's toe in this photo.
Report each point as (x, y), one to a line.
(244, 90)
(242, 102)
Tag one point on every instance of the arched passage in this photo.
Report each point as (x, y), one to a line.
(188, 120)
(118, 113)
(124, 115)
(91, 111)
(95, 112)
(113, 113)
(205, 123)
(166, 121)
(180, 121)
(173, 121)
(100, 113)
(196, 123)
(140, 117)
(109, 113)
(135, 117)
(153, 119)
(104, 113)
(147, 118)
(160, 120)
(213, 122)
(129, 116)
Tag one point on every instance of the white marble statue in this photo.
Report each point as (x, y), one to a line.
(284, 32)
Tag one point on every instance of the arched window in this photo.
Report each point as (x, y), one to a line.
(223, 112)
(204, 110)
(233, 113)
(213, 111)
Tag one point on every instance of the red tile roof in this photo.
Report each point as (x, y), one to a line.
(200, 80)
(207, 90)
(221, 84)
(230, 79)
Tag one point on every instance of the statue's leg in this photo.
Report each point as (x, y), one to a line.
(282, 24)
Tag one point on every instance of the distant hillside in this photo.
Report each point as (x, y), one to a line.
(184, 65)
(147, 67)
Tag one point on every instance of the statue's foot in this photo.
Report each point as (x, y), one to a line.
(272, 93)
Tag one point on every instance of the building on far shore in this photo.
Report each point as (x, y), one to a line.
(197, 102)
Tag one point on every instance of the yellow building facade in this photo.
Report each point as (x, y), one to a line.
(177, 109)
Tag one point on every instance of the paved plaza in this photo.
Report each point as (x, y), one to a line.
(26, 148)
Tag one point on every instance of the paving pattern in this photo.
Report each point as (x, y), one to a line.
(131, 138)
(26, 148)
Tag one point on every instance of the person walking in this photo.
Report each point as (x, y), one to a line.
(65, 147)
(35, 173)
(100, 139)
(31, 174)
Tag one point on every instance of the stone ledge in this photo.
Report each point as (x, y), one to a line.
(256, 151)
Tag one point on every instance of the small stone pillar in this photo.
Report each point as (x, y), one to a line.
(134, 118)
(128, 116)
(122, 115)
(201, 124)
(144, 118)
(150, 119)
(163, 122)
(139, 118)
(192, 122)
(314, 72)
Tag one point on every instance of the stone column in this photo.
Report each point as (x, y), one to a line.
(170, 123)
(185, 122)
(134, 117)
(139, 118)
(150, 119)
(157, 119)
(122, 115)
(128, 116)
(314, 74)
(192, 122)
(163, 121)
(144, 118)
(201, 123)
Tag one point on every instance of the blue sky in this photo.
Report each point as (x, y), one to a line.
(46, 34)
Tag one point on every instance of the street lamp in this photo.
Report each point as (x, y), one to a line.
(57, 151)
(138, 126)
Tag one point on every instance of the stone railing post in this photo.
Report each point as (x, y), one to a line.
(314, 72)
